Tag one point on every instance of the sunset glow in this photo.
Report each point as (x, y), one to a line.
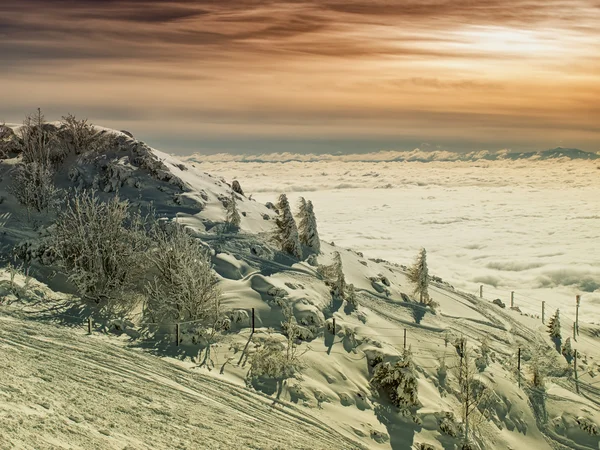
(251, 76)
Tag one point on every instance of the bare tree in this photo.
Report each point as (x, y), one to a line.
(473, 392)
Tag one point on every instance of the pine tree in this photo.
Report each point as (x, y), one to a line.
(287, 234)
(554, 326)
(351, 297)
(339, 280)
(567, 350)
(309, 235)
(538, 377)
(233, 218)
(399, 381)
(419, 276)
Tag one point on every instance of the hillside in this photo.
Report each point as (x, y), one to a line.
(65, 389)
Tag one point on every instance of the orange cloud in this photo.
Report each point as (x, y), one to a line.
(361, 75)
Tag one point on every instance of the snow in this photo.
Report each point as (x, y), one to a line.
(62, 388)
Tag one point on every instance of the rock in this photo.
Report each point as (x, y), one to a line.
(127, 133)
(499, 302)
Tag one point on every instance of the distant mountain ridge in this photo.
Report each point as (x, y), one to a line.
(416, 155)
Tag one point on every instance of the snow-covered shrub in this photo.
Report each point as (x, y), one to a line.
(274, 359)
(240, 316)
(33, 186)
(287, 231)
(423, 446)
(100, 247)
(78, 136)
(398, 381)
(419, 276)
(309, 236)
(184, 287)
(449, 426)
(587, 425)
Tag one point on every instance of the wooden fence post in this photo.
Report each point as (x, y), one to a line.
(405, 339)
(578, 298)
(252, 320)
(543, 311)
(481, 291)
(90, 325)
(519, 367)
(512, 299)
(177, 334)
(575, 370)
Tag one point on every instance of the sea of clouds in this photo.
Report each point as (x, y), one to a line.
(532, 227)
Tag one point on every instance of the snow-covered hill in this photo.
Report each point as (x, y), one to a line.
(130, 388)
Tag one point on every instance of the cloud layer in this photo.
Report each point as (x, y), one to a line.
(326, 75)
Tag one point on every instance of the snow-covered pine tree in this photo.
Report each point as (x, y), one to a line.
(307, 227)
(339, 280)
(351, 297)
(567, 349)
(233, 218)
(554, 326)
(538, 377)
(287, 233)
(419, 276)
(399, 381)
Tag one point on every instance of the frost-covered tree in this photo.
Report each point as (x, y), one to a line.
(554, 326)
(287, 233)
(419, 276)
(100, 247)
(398, 381)
(184, 287)
(233, 218)
(309, 236)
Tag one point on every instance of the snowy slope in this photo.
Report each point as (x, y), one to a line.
(175, 403)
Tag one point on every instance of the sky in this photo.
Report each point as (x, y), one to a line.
(313, 76)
